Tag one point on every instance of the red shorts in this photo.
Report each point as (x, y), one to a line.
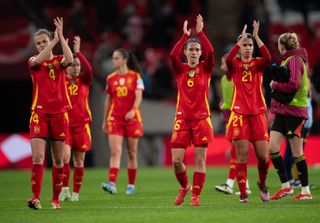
(79, 138)
(131, 128)
(251, 127)
(196, 132)
(53, 126)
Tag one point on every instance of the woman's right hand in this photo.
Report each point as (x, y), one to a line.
(256, 25)
(185, 28)
(76, 42)
(200, 24)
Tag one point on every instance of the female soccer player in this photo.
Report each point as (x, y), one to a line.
(247, 120)
(79, 139)
(122, 117)
(50, 104)
(227, 88)
(192, 123)
(290, 117)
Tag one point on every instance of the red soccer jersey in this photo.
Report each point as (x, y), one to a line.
(78, 89)
(49, 95)
(247, 96)
(193, 83)
(121, 88)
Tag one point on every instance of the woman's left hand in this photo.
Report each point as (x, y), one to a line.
(131, 114)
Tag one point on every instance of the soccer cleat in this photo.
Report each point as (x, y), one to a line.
(282, 193)
(195, 201)
(64, 194)
(109, 187)
(182, 194)
(74, 196)
(224, 188)
(55, 204)
(34, 204)
(244, 198)
(248, 191)
(264, 192)
(130, 190)
(302, 197)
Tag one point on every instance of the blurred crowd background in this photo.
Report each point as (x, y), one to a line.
(149, 28)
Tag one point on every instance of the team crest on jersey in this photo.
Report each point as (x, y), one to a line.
(246, 66)
(56, 63)
(236, 132)
(49, 65)
(36, 129)
(72, 82)
(122, 81)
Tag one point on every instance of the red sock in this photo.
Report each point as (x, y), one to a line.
(78, 173)
(242, 177)
(113, 173)
(132, 175)
(232, 169)
(233, 161)
(198, 182)
(57, 178)
(182, 179)
(36, 180)
(66, 174)
(263, 172)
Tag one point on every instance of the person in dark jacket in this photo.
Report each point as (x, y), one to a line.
(290, 117)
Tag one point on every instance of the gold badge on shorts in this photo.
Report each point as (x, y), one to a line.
(36, 129)
(236, 132)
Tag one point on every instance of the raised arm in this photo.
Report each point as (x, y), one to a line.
(177, 49)
(266, 57)
(67, 53)
(207, 49)
(234, 51)
(87, 69)
(255, 33)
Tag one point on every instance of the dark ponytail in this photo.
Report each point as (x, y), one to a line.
(132, 63)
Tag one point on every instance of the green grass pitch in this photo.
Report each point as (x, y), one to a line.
(156, 189)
